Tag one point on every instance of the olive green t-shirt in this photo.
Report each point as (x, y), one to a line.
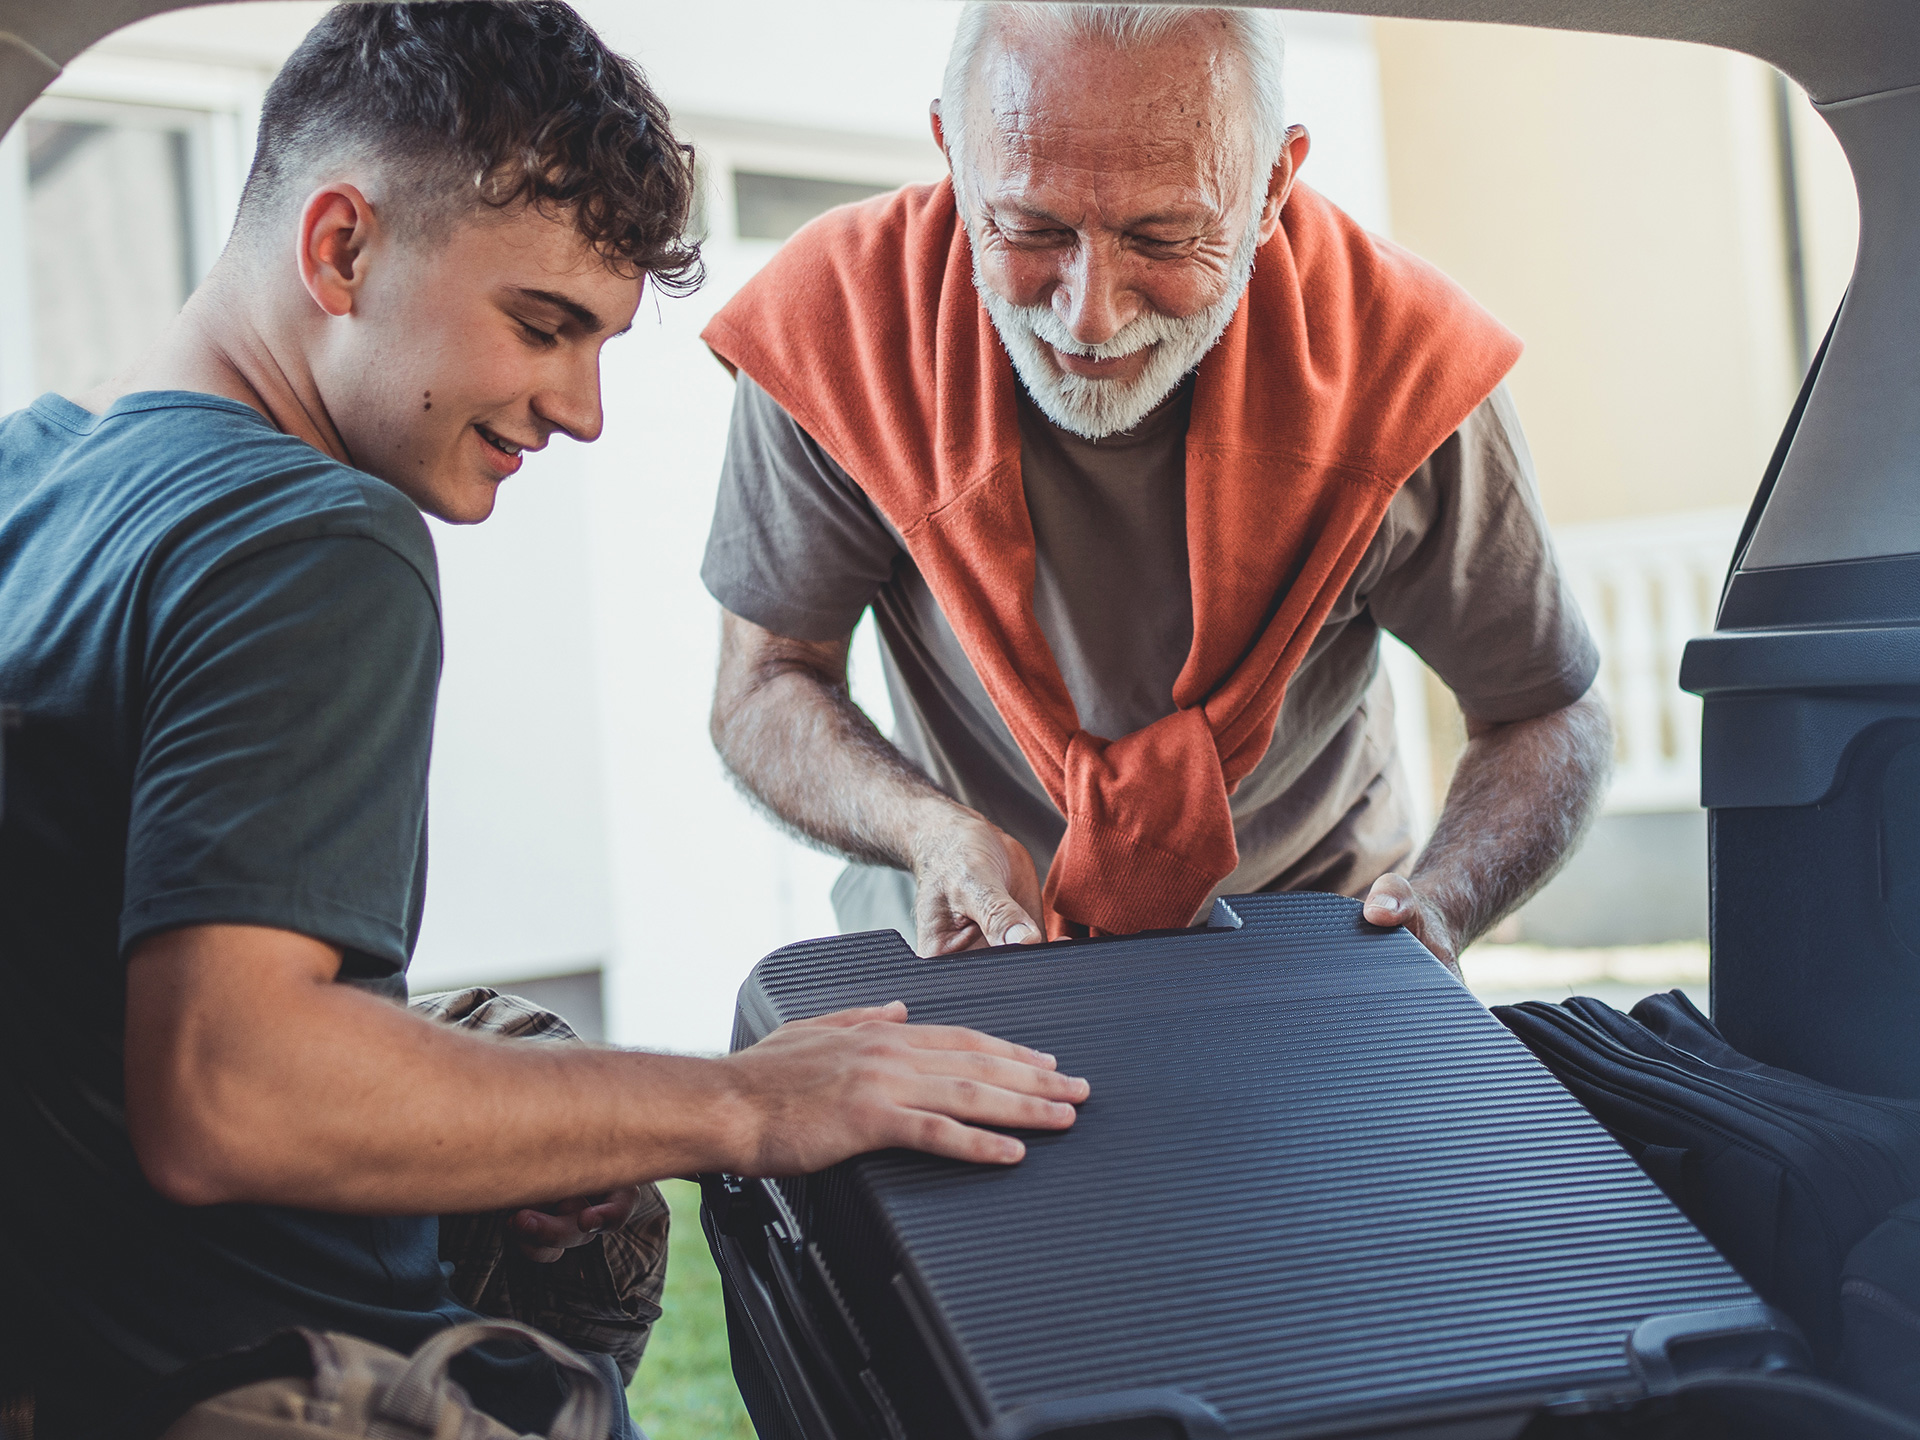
(1462, 570)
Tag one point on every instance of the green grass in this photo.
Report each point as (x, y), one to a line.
(684, 1389)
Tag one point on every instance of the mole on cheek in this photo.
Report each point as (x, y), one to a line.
(428, 396)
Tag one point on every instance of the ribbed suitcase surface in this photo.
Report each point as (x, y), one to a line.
(1317, 1189)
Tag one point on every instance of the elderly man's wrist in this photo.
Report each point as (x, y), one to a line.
(930, 829)
(1445, 910)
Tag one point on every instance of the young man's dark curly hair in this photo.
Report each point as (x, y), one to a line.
(483, 104)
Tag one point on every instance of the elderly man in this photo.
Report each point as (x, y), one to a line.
(1133, 444)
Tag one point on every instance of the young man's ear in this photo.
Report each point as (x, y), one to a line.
(337, 227)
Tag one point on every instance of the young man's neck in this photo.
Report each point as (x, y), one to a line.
(237, 348)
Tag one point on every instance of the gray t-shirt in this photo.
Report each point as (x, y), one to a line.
(1462, 570)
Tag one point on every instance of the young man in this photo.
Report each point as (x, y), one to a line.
(218, 620)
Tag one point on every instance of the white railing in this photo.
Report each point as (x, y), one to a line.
(1647, 586)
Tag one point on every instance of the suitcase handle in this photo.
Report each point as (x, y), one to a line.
(1222, 917)
(1734, 1337)
(1196, 1419)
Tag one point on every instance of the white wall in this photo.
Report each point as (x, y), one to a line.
(16, 299)
(519, 882)
(564, 834)
(1333, 88)
(866, 66)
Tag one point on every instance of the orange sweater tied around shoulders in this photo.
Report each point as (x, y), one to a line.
(1348, 362)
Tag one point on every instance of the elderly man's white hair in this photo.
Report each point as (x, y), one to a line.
(1255, 33)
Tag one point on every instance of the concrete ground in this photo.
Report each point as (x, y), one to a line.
(1501, 974)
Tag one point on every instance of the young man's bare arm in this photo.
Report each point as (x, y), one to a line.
(1522, 795)
(788, 730)
(252, 1076)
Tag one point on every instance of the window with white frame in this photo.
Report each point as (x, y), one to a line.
(117, 189)
(773, 206)
(760, 182)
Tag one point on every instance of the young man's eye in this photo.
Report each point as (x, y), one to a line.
(536, 336)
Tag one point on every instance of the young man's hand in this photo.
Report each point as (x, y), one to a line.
(544, 1233)
(974, 885)
(821, 1090)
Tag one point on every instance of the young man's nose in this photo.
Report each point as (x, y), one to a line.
(573, 407)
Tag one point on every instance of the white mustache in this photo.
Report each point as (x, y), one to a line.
(1140, 333)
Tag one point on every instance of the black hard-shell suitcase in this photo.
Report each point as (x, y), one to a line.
(1317, 1191)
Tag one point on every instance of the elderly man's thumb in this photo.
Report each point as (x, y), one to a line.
(1389, 902)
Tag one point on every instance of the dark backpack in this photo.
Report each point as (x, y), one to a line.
(1880, 1312)
(1783, 1175)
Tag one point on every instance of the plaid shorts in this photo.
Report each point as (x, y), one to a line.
(602, 1296)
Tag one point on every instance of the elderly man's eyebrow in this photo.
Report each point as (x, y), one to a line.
(572, 309)
(1033, 212)
(1185, 217)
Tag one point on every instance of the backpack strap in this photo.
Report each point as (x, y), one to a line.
(417, 1397)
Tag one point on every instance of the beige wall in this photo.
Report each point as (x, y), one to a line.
(1617, 203)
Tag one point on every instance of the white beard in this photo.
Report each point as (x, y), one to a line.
(1097, 408)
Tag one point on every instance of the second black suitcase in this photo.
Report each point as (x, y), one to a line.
(1317, 1191)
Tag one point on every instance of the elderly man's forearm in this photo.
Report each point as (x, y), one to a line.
(793, 740)
(1522, 795)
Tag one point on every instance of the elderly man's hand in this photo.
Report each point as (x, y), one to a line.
(975, 885)
(1393, 902)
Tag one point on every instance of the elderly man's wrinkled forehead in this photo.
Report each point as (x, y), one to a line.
(1044, 98)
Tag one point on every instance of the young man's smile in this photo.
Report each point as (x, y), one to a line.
(501, 453)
